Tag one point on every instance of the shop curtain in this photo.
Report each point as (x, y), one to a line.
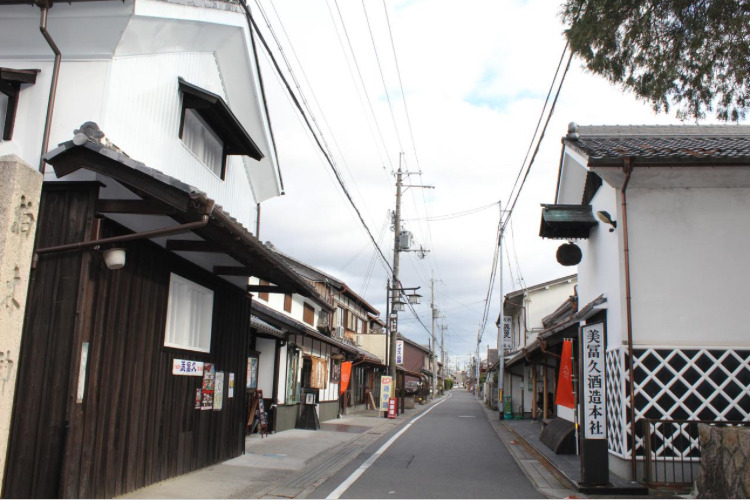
(346, 372)
(319, 375)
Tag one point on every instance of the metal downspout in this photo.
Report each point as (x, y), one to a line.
(53, 85)
(628, 169)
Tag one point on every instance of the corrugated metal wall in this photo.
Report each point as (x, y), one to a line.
(142, 116)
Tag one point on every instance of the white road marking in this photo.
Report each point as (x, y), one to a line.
(341, 489)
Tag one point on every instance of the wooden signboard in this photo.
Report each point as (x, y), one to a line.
(257, 416)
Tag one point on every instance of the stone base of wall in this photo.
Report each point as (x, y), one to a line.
(725, 462)
(328, 410)
(286, 415)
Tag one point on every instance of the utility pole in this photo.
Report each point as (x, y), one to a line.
(434, 317)
(393, 320)
(397, 289)
(501, 324)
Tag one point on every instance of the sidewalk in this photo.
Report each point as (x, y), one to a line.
(288, 464)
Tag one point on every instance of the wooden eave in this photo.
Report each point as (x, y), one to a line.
(182, 203)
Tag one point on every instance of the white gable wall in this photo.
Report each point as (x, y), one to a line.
(688, 265)
(601, 270)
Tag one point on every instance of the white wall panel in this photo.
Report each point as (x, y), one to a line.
(142, 116)
(267, 350)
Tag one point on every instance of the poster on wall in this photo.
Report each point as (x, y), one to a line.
(335, 371)
(198, 397)
(230, 393)
(252, 372)
(209, 381)
(219, 391)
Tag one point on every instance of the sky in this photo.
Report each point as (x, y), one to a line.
(460, 99)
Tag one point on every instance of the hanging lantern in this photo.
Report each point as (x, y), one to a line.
(569, 254)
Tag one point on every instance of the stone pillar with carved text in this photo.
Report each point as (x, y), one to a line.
(20, 191)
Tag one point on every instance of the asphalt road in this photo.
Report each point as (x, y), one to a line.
(451, 451)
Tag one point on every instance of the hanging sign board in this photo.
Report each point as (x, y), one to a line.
(593, 382)
(386, 391)
(393, 323)
(187, 367)
(507, 338)
(399, 352)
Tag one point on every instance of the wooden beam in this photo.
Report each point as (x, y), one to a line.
(146, 207)
(266, 289)
(232, 271)
(193, 246)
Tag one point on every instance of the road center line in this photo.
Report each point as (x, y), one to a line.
(341, 489)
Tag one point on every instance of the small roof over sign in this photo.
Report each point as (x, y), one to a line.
(566, 222)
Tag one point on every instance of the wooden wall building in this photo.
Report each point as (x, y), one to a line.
(98, 410)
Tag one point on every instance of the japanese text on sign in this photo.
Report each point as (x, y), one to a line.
(187, 367)
(386, 392)
(594, 382)
(399, 352)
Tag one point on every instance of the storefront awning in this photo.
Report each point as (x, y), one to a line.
(566, 222)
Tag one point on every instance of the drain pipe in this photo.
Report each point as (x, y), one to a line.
(627, 168)
(44, 5)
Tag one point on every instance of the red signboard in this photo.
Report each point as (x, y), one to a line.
(392, 408)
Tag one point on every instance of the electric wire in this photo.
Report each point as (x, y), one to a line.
(541, 137)
(364, 87)
(382, 77)
(317, 140)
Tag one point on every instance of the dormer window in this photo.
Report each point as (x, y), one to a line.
(203, 142)
(211, 131)
(10, 87)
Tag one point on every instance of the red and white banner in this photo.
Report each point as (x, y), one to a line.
(564, 396)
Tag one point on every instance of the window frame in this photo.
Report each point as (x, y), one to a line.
(308, 312)
(10, 86)
(208, 295)
(288, 302)
(220, 119)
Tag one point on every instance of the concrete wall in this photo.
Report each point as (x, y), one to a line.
(20, 189)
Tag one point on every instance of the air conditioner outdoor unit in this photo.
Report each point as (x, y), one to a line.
(340, 332)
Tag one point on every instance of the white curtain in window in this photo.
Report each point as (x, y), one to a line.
(201, 140)
(189, 315)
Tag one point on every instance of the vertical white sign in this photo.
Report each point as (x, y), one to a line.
(594, 382)
(399, 352)
(507, 333)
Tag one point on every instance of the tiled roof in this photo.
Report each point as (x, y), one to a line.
(659, 145)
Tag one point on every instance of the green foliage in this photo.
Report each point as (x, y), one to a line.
(448, 384)
(694, 54)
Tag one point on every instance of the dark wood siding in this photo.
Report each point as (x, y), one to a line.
(137, 424)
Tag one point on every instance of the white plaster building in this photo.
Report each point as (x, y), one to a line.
(661, 216)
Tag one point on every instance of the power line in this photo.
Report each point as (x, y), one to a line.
(337, 174)
(541, 137)
(382, 77)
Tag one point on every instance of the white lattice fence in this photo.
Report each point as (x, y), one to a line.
(675, 384)
(616, 408)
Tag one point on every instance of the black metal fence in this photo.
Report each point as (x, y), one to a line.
(672, 450)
